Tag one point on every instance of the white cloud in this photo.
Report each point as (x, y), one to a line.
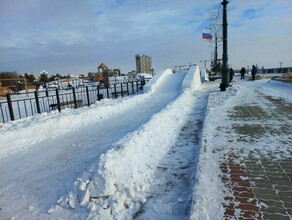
(49, 33)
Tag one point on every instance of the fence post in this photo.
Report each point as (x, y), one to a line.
(74, 97)
(10, 106)
(58, 100)
(137, 85)
(132, 87)
(115, 91)
(122, 90)
(87, 94)
(107, 92)
(98, 93)
(127, 88)
(37, 102)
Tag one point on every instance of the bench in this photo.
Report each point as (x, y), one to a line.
(54, 106)
(119, 93)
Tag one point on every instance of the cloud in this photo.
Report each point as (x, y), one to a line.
(76, 36)
(249, 13)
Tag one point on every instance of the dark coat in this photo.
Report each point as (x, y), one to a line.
(253, 70)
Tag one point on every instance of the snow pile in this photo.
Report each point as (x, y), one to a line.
(208, 166)
(119, 186)
(66, 122)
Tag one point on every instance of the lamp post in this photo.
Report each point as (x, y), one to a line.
(224, 79)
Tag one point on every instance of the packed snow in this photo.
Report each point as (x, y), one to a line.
(133, 157)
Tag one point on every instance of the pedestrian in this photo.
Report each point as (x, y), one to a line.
(242, 72)
(231, 74)
(253, 72)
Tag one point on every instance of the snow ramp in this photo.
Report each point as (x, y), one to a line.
(109, 150)
(161, 83)
(118, 185)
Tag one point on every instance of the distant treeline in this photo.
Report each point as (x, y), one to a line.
(30, 78)
(9, 75)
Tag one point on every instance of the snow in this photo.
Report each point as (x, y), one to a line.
(207, 192)
(138, 157)
(157, 80)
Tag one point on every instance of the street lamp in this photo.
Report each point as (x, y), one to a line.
(224, 80)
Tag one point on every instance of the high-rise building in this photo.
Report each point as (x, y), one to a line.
(143, 63)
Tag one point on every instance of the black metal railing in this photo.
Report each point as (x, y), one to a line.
(47, 100)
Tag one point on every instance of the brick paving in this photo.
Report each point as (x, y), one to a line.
(259, 183)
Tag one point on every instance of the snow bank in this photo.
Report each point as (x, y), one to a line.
(192, 79)
(207, 190)
(155, 82)
(118, 187)
(65, 122)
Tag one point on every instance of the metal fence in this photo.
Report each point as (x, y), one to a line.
(47, 100)
(276, 70)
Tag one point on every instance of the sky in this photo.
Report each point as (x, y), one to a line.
(72, 36)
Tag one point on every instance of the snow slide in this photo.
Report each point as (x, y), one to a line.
(110, 151)
(121, 182)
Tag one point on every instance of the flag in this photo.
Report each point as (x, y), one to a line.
(207, 36)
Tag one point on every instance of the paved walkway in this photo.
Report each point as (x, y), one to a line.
(259, 183)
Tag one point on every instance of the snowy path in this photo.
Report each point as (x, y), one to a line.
(37, 173)
(170, 195)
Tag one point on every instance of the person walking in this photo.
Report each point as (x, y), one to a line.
(242, 72)
(253, 72)
(231, 74)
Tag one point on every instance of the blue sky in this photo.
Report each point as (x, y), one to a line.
(73, 36)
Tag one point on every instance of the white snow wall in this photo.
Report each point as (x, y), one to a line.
(192, 79)
(156, 80)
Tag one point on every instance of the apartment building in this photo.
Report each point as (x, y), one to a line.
(143, 63)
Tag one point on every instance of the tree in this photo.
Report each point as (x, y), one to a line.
(44, 77)
(52, 78)
(31, 78)
(59, 76)
(91, 75)
(8, 75)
